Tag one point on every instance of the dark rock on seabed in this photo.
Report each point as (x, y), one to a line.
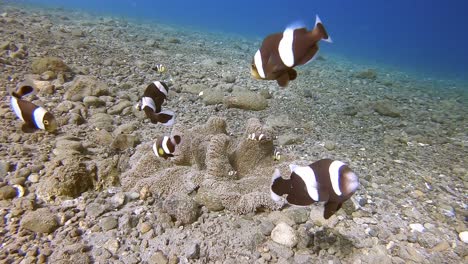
(94, 192)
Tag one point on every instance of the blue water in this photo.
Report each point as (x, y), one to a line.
(423, 36)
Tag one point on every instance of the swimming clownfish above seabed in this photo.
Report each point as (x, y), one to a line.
(153, 98)
(326, 180)
(33, 116)
(281, 52)
(164, 147)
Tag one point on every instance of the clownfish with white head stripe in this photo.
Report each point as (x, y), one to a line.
(151, 102)
(326, 180)
(164, 147)
(281, 52)
(34, 117)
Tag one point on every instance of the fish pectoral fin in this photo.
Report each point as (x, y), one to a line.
(283, 80)
(330, 209)
(292, 73)
(28, 128)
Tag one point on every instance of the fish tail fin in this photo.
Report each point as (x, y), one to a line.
(22, 91)
(319, 32)
(176, 139)
(166, 117)
(278, 185)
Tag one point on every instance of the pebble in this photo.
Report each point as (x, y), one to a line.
(108, 223)
(118, 199)
(417, 227)
(266, 227)
(4, 168)
(40, 221)
(442, 246)
(7, 192)
(145, 227)
(464, 236)
(112, 245)
(93, 210)
(284, 234)
(34, 178)
(93, 101)
(192, 251)
(329, 145)
(158, 258)
(289, 139)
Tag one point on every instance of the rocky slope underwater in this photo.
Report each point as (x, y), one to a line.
(94, 192)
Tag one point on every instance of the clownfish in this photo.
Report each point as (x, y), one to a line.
(326, 180)
(164, 147)
(34, 117)
(281, 52)
(151, 102)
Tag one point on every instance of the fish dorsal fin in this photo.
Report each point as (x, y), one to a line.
(296, 25)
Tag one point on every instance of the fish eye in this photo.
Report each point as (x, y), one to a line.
(46, 122)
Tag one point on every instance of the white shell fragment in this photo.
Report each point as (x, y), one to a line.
(19, 190)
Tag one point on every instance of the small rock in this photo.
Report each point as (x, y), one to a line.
(279, 250)
(4, 168)
(150, 43)
(246, 100)
(124, 141)
(329, 145)
(302, 257)
(174, 41)
(145, 227)
(229, 78)
(209, 199)
(93, 101)
(442, 246)
(385, 108)
(158, 258)
(53, 64)
(77, 33)
(266, 227)
(40, 221)
(84, 85)
(119, 107)
(182, 207)
(34, 178)
(112, 245)
(284, 235)
(266, 94)
(102, 121)
(464, 236)
(93, 210)
(118, 199)
(369, 74)
(417, 227)
(192, 251)
(297, 214)
(108, 223)
(7, 192)
(213, 97)
(48, 75)
(289, 139)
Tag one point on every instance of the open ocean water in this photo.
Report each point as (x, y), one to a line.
(423, 37)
